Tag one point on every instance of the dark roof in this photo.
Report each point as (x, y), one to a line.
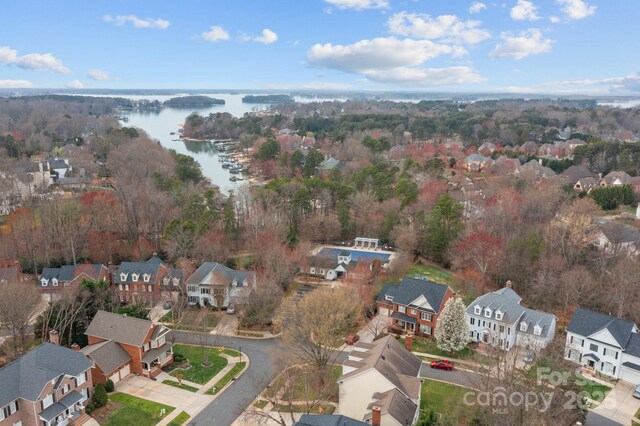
(403, 317)
(27, 376)
(119, 328)
(108, 355)
(396, 405)
(585, 323)
(52, 411)
(213, 273)
(328, 420)
(411, 289)
(71, 398)
(631, 365)
(591, 355)
(575, 173)
(150, 267)
(633, 345)
(58, 163)
(155, 353)
(68, 273)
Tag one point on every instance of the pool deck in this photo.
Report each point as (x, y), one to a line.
(392, 254)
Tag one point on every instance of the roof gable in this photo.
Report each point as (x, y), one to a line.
(605, 336)
(585, 323)
(120, 328)
(411, 289)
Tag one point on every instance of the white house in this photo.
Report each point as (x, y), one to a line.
(380, 380)
(498, 319)
(605, 344)
(216, 285)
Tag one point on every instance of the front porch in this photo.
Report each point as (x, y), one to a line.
(155, 359)
(68, 411)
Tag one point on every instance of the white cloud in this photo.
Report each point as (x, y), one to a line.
(554, 19)
(267, 37)
(32, 61)
(359, 4)
(215, 33)
(75, 84)
(395, 61)
(15, 84)
(476, 7)
(524, 11)
(160, 24)
(447, 28)
(312, 85)
(99, 75)
(530, 42)
(576, 9)
(628, 83)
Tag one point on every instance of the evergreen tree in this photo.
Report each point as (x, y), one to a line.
(452, 332)
(444, 225)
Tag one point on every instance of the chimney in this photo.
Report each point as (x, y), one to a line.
(375, 415)
(54, 338)
(508, 284)
(75, 347)
(408, 342)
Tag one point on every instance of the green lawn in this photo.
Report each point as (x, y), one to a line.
(596, 391)
(446, 400)
(261, 403)
(297, 408)
(428, 346)
(196, 372)
(195, 319)
(431, 272)
(135, 411)
(226, 378)
(177, 384)
(180, 419)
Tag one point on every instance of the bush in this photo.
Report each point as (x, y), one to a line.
(100, 397)
(89, 408)
(109, 386)
(177, 357)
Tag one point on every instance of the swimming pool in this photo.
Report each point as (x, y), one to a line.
(356, 255)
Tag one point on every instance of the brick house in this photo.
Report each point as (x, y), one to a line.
(216, 285)
(415, 304)
(120, 345)
(144, 281)
(54, 281)
(50, 385)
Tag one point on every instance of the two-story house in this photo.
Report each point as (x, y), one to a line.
(120, 345)
(605, 344)
(144, 281)
(415, 304)
(48, 386)
(499, 320)
(216, 285)
(380, 384)
(55, 281)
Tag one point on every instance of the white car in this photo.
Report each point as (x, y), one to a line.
(636, 393)
(231, 309)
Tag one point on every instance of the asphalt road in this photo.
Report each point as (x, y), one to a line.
(457, 376)
(594, 419)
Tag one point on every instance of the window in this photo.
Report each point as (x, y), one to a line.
(54, 282)
(135, 277)
(145, 347)
(537, 330)
(607, 368)
(428, 317)
(523, 326)
(205, 290)
(123, 277)
(65, 388)
(426, 329)
(388, 297)
(193, 300)
(148, 288)
(192, 289)
(499, 315)
(502, 329)
(44, 282)
(477, 310)
(412, 311)
(611, 353)
(146, 278)
(122, 298)
(161, 341)
(121, 287)
(487, 312)
(593, 347)
(126, 287)
(402, 309)
(47, 401)
(81, 379)
(473, 321)
(8, 410)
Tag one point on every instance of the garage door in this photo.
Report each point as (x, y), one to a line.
(630, 375)
(124, 372)
(384, 311)
(115, 377)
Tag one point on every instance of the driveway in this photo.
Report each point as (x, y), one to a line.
(458, 376)
(618, 407)
(153, 390)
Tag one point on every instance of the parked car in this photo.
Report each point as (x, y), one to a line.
(442, 364)
(636, 393)
(352, 339)
(231, 309)
(167, 305)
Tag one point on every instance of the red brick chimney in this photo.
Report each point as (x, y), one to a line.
(508, 284)
(54, 338)
(408, 342)
(375, 415)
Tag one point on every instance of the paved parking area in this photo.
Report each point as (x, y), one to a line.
(619, 406)
(153, 390)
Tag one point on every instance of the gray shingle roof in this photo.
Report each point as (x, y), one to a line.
(585, 323)
(631, 365)
(119, 328)
(58, 163)
(140, 268)
(27, 376)
(328, 420)
(108, 355)
(412, 288)
(68, 273)
(206, 274)
(155, 353)
(396, 405)
(633, 346)
(575, 173)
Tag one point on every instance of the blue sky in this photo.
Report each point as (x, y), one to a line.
(529, 46)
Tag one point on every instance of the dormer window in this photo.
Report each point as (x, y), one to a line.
(135, 277)
(499, 315)
(487, 312)
(388, 297)
(45, 282)
(146, 278)
(123, 276)
(245, 284)
(54, 282)
(537, 330)
(477, 310)
(523, 326)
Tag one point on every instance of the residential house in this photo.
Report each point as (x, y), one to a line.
(604, 344)
(415, 304)
(582, 179)
(143, 281)
(616, 179)
(586, 184)
(477, 162)
(216, 285)
(59, 168)
(506, 165)
(120, 345)
(54, 282)
(536, 169)
(48, 386)
(572, 144)
(487, 148)
(380, 384)
(617, 238)
(329, 164)
(528, 148)
(498, 319)
(329, 420)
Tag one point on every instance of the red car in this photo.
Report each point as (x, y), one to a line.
(352, 339)
(442, 365)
